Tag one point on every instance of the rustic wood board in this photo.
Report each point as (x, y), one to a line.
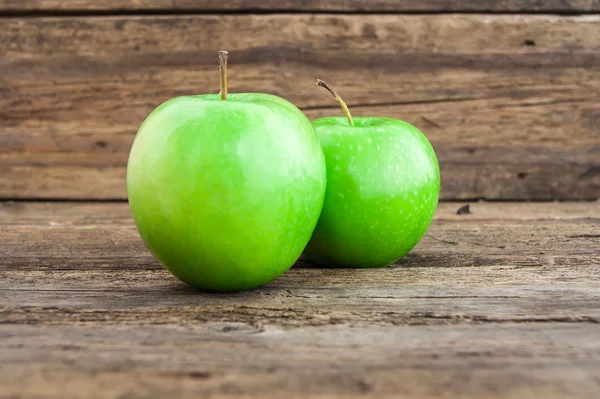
(501, 303)
(221, 360)
(562, 6)
(510, 102)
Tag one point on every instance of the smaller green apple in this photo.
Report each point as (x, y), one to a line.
(383, 185)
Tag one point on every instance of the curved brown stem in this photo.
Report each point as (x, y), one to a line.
(338, 98)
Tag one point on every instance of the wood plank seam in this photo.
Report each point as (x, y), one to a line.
(90, 7)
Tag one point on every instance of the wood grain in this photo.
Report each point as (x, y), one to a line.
(221, 360)
(508, 120)
(83, 213)
(563, 6)
(501, 303)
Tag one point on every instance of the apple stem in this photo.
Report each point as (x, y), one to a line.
(223, 70)
(338, 98)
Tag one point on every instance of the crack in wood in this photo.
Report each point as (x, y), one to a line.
(585, 236)
(88, 8)
(466, 242)
(396, 103)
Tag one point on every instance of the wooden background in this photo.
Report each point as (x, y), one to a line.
(507, 91)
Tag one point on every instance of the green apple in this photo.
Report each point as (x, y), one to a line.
(226, 190)
(383, 185)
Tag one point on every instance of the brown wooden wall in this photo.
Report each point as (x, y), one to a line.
(507, 91)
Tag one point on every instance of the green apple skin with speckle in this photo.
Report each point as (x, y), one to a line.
(383, 185)
(226, 193)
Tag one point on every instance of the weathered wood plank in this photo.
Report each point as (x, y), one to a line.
(501, 303)
(534, 237)
(413, 295)
(568, 6)
(509, 120)
(85, 213)
(506, 244)
(224, 360)
(506, 262)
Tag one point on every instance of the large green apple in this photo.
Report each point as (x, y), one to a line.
(226, 190)
(383, 184)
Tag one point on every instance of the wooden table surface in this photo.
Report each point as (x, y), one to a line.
(502, 303)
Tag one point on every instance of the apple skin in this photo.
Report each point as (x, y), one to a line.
(383, 185)
(226, 193)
